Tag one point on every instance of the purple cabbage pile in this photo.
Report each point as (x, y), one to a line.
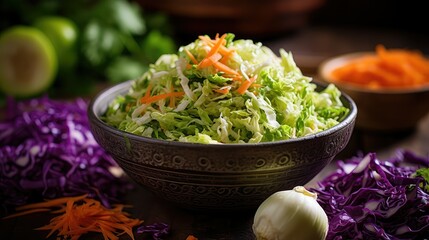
(367, 198)
(47, 151)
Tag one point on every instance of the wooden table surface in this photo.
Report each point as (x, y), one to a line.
(309, 47)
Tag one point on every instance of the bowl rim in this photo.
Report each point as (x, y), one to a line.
(123, 87)
(327, 65)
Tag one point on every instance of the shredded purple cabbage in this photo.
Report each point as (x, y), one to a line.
(367, 198)
(47, 151)
(157, 230)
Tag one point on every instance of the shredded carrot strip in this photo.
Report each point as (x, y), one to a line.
(217, 45)
(394, 68)
(224, 68)
(233, 77)
(193, 59)
(191, 237)
(162, 96)
(208, 61)
(237, 78)
(245, 85)
(226, 57)
(223, 90)
(147, 94)
(222, 49)
(218, 56)
(149, 88)
(80, 215)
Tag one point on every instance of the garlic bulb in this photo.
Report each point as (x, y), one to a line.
(291, 215)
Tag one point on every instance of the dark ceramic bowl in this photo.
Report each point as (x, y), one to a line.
(217, 176)
(381, 110)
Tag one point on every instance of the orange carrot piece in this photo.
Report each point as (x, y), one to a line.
(245, 85)
(223, 90)
(147, 94)
(206, 62)
(191, 237)
(222, 49)
(217, 45)
(233, 77)
(149, 88)
(224, 68)
(193, 59)
(162, 96)
(237, 78)
(205, 39)
(227, 56)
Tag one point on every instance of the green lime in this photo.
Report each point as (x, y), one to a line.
(63, 34)
(28, 64)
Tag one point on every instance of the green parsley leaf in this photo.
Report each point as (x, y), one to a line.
(424, 172)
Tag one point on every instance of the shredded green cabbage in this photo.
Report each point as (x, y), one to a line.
(280, 104)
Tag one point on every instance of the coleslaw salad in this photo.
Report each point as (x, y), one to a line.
(223, 90)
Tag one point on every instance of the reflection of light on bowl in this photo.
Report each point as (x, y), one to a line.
(380, 109)
(217, 176)
(247, 18)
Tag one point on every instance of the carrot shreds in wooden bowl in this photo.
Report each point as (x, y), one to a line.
(388, 68)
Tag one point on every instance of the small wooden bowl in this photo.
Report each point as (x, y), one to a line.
(380, 109)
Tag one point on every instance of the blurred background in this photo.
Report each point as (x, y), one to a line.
(117, 39)
(271, 18)
(98, 43)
